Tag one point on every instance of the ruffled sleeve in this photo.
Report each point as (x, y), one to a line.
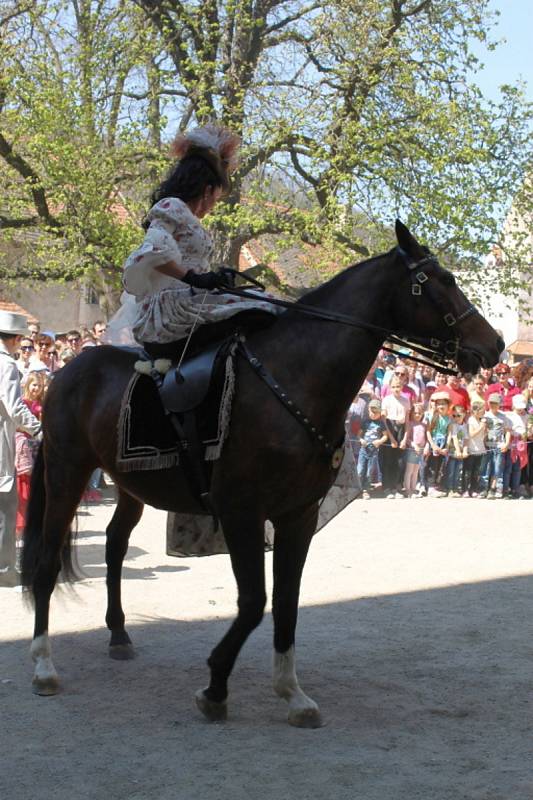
(160, 245)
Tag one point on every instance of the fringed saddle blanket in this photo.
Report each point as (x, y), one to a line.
(146, 438)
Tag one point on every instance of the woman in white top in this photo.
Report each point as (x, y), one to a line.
(170, 289)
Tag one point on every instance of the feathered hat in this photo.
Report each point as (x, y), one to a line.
(216, 144)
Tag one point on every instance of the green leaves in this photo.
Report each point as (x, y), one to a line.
(351, 112)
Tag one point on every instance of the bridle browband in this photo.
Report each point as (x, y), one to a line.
(436, 352)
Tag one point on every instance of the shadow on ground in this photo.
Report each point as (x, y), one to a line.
(425, 695)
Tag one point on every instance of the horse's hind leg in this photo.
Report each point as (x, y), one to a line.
(293, 535)
(65, 484)
(245, 540)
(127, 514)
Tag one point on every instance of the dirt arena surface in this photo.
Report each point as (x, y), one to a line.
(414, 638)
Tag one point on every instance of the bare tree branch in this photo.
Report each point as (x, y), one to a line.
(32, 180)
(277, 26)
(16, 11)
(11, 222)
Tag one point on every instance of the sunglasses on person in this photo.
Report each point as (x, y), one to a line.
(27, 348)
(74, 339)
(458, 416)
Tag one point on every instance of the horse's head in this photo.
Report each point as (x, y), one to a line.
(430, 307)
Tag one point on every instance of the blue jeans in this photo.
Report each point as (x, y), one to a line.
(511, 474)
(367, 464)
(453, 474)
(492, 470)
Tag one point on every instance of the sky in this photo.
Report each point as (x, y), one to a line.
(513, 59)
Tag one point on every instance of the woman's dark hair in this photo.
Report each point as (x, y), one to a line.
(191, 176)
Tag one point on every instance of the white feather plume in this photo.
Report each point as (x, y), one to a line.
(212, 137)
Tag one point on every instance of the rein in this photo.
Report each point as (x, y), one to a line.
(435, 352)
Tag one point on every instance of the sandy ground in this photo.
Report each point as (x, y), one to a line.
(414, 638)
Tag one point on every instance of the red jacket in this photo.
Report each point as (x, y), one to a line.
(458, 397)
(506, 394)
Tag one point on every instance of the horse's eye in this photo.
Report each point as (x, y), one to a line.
(448, 279)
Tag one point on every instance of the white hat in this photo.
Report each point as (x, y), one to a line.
(14, 324)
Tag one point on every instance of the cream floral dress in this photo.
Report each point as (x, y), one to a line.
(158, 308)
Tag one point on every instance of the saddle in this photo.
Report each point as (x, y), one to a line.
(182, 391)
(189, 394)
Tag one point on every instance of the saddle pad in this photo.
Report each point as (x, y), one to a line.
(146, 438)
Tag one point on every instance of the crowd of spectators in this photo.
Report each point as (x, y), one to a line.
(40, 354)
(416, 432)
(45, 351)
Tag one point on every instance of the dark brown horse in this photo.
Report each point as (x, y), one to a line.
(270, 468)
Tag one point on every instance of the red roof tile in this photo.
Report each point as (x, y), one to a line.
(14, 308)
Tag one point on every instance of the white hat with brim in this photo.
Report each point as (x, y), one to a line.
(14, 324)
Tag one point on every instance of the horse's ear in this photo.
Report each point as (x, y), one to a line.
(406, 240)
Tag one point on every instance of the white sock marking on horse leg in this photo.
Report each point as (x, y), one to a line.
(42, 656)
(286, 684)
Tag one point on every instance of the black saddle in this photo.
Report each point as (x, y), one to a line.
(184, 389)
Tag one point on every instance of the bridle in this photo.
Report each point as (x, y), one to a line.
(438, 353)
(443, 352)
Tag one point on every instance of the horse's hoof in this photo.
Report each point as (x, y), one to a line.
(306, 718)
(45, 687)
(121, 652)
(214, 712)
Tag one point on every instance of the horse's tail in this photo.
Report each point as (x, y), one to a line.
(33, 551)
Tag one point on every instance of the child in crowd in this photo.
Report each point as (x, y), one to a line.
(476, 449)
(414, 442)
(372, 436)
(25, 449)
(457, 445)
(437, 439)
(516, 457)
(497, 441)
(395, 411)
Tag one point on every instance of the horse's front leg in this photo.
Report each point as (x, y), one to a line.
(293, 534)
(127, 514)
(245, 539)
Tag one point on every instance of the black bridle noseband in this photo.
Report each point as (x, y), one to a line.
(438, 353)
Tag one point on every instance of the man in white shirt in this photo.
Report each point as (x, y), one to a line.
(13, 414)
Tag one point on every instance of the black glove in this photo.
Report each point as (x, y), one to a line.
(228, 275)
(204, 280)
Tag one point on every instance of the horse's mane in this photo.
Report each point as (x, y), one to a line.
(316, 295)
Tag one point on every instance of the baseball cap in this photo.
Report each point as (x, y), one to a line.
(441, 396)
(375, 404)
(494, 398)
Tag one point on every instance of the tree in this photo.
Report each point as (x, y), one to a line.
(363, 109)
(67, 146)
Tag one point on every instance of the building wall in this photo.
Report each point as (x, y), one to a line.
(58, 307)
